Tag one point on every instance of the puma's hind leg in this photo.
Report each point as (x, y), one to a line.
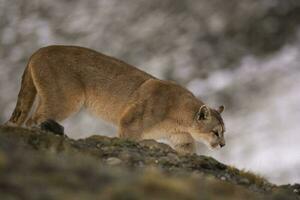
(54, 108)
(58, 99)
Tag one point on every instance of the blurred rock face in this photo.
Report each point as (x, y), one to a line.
(241, 53)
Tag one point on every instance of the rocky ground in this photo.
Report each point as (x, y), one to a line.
(36, 164)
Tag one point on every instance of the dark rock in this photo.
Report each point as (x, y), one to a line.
(52, 126)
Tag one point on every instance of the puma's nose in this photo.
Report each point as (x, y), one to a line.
(222, 144)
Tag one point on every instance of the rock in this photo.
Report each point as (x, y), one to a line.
(173, 157)
(113, 161)
(152, 144)
(52, 126)
(244, 181)
(173, 176)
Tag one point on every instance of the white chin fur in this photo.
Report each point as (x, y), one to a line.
(200, 140)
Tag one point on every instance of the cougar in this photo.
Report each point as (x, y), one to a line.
(64, 79)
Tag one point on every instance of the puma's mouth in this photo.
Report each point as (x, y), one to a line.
(215, 146)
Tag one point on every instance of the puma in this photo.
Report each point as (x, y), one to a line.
(67, 78)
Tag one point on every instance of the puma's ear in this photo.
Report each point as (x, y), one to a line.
(221, 109)
(203, 113)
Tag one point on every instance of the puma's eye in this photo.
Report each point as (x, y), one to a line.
(216, 133)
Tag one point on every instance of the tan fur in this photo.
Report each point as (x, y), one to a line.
(66, 78)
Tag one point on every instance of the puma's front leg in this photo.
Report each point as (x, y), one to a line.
(131, 123)
(182, 142)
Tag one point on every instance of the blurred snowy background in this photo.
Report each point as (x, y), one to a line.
(244, 54)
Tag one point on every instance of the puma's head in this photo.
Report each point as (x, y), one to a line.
(208, 127)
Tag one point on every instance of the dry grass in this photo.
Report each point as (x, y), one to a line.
(256, 179)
